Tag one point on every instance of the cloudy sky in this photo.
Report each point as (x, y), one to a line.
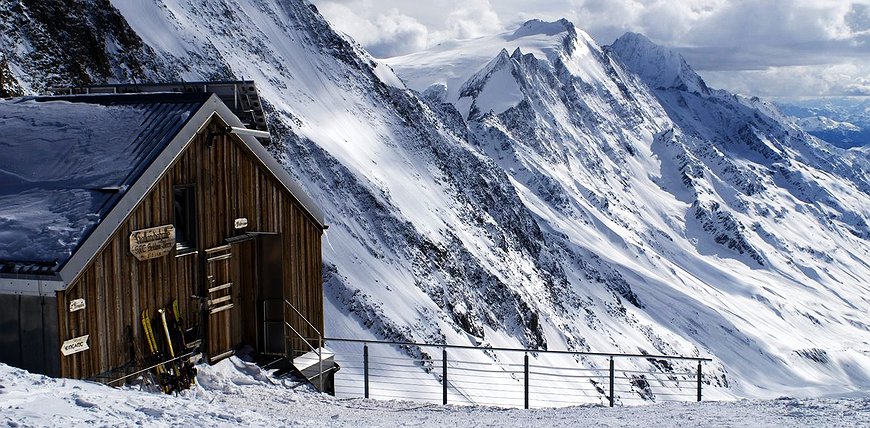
(772, 48)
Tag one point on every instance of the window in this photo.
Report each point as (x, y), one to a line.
(185, 217)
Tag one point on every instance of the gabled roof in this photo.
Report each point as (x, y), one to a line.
(69, 163)
(240, 96)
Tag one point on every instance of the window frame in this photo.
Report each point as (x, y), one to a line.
(189, 225)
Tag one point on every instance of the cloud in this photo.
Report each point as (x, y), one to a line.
(384, 34)
(398, 34)
(396, 27)
(796, 81)
(472, 19)
(749, 40)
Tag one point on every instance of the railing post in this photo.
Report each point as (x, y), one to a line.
(526, 389)
(444, 376)
(612, 375)
(366, 370)
(320, 360)
(699, 380)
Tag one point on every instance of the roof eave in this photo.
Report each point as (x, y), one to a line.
(31, 285)
(85, 253)
(271, 164)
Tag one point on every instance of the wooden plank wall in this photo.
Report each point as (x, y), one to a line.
(230, 183)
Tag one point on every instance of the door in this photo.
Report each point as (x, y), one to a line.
(220, 302)
(271, 295)
(245, 280)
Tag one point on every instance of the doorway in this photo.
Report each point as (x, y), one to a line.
(257, 267)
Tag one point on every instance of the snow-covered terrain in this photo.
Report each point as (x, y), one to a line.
(238, 393)
(535, 189)
(844, 122)
(822, 123)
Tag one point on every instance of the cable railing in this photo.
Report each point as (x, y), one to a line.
(521, 378)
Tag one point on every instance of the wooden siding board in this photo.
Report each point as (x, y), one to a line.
(230, 183)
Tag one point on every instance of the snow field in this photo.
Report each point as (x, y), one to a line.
(236, 393)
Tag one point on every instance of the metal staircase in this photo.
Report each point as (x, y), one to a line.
(316, 364)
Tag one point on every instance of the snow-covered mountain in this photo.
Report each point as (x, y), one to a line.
(822, 123)
(529, 189)
(843, 122)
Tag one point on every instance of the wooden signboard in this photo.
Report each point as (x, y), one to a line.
(153, 242)
(77, 305)
(75, 345)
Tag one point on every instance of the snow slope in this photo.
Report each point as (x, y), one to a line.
(238, 393)
(534, 189)
(47, 43)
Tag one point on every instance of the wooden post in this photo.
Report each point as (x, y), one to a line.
(699, 380)
(366, 370)
(526, 359)
(444, 376)
(612, 373)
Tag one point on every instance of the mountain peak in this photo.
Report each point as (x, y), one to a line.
(535, 27)
(660, 67)
(636, 39)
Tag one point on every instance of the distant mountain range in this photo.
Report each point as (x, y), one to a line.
(526, 189)
(843, 122)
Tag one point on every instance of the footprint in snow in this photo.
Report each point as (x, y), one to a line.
(81, 402)
(154, 413)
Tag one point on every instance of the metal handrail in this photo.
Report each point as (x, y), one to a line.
(319, 334)
(608, 376)
(544, 351)
(318, 350)
(313, 349)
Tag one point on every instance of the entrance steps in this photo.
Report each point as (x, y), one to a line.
(305, 368)
(315, 365)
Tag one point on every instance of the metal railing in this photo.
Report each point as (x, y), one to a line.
(134, 372)
(288, 351)
(535, 380)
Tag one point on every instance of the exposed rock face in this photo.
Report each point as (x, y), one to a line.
(534, 190)
(55, 43)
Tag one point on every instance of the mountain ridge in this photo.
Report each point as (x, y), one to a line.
(591, 210)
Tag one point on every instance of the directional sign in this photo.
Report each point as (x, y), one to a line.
(75, 345)
(76, 305)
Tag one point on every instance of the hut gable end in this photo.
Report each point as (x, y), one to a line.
(251, 242)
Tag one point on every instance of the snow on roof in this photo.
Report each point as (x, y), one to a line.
(66, 161)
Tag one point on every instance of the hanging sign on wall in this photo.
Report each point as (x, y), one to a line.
(240, 223)
(153, 242)
(75, 345)
(76, 305)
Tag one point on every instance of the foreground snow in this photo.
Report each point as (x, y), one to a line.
(238, 393)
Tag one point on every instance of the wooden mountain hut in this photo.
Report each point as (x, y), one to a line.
(115, 206)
